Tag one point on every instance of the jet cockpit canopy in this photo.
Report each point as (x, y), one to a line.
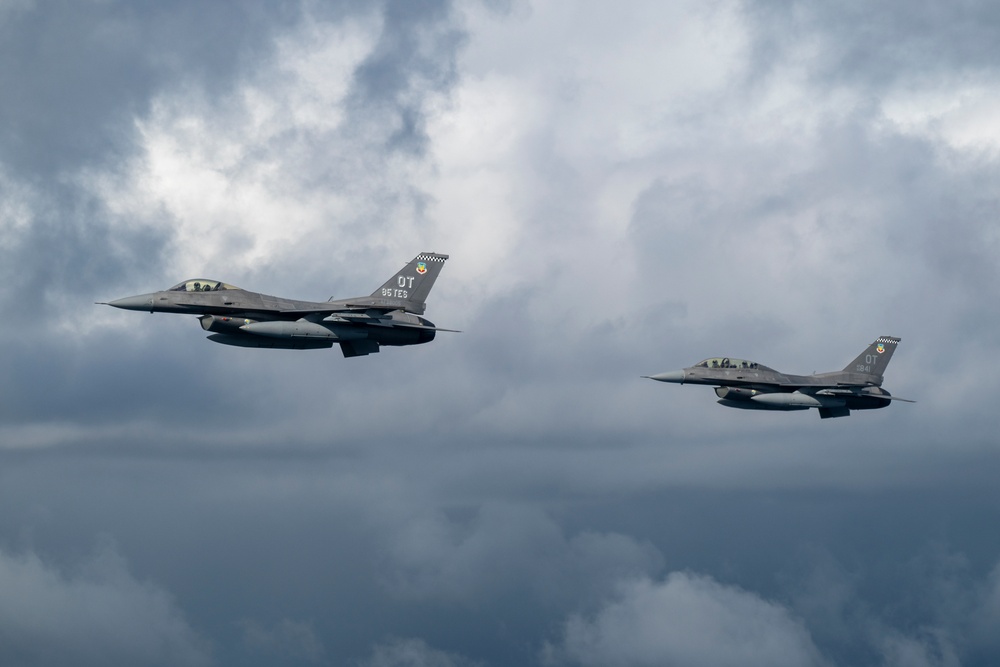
(200, 285)
(727, 362)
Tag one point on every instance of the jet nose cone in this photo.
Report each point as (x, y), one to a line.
(669, 376)
(139, 302)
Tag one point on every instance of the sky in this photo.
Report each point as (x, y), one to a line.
(623, 189)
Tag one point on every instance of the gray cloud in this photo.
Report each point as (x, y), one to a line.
(505, 551)
(878, 45)
(413, 653)
(97, 615)
(76, 77)
(288, 641)
(415, 55)
(78, 74)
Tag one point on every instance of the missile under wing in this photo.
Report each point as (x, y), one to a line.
(752, 386)
(391, 315)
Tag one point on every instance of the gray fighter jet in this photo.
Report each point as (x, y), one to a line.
(390, 316)
(752, 386)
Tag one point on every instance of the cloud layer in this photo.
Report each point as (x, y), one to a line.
(99, 615)
(622, 191)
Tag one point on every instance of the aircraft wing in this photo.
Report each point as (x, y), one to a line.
(370, 317)
(407, 325)
(843, 391)
(338, 308)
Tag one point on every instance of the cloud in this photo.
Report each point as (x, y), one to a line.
(286, 641)
(877, 45)
(623, 190)
(77, 77)
(506, 550)
(415, 55)
(317, 143)
(930, 650)
(686, 619)
(80, 73)
(413, 653)
(98, 615)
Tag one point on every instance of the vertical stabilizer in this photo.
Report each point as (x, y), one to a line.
(874, 360)
(413, 282)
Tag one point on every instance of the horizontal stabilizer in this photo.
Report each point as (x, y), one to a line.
(897, 398)
(406, 325)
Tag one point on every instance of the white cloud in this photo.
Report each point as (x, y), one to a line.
(274, 173)
(686, 619)
(962, 115)
(550, 134)
(228, 170)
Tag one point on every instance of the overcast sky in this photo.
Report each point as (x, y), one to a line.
(623, 189)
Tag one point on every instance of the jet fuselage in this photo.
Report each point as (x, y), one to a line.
(389, 316)
(751, 386)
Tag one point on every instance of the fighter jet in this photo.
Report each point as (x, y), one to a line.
(389, 316)
(752, 386)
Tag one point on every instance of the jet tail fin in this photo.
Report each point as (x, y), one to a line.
(413, 282)
(874, 359)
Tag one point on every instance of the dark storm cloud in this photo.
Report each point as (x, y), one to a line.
(70, 244)
(133, 385)
(76, 74)
(101, 614)
(928, 608)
